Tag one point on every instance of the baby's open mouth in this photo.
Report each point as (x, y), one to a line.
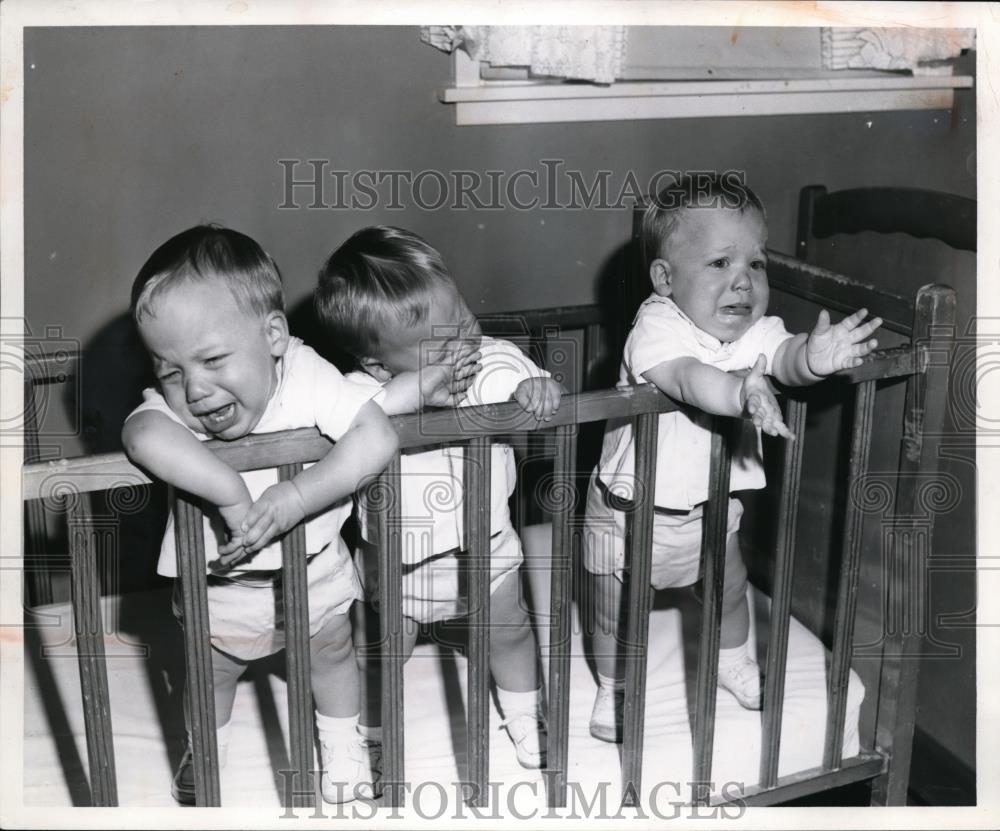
(221, 415)
(737, 309)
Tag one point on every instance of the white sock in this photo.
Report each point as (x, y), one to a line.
(336, 729)
(616, 684)
(513, 703)
(372, 733)
(729, 657)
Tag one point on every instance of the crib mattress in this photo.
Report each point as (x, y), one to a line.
(145, 672)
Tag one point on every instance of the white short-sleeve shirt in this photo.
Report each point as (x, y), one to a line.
(662, 332)
(431, 481)
(311, 392)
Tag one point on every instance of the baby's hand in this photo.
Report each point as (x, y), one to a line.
(466, 367)
(832, 348)
(278, 510)
(232, 551)
(759, 402)
(444, 382)
(539, 396)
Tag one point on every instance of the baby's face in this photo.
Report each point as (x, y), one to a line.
(214, 362)
(448, 320)
(714, 267)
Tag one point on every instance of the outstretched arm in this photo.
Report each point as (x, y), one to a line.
(363, 451)
(806, 359)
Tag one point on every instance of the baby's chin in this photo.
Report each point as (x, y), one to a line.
(730, 327)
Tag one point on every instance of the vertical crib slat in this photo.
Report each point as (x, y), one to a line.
(847, 592)
(560, 601)
(390, 592)
(477, 532)
(924, 421)
(295, 599)
(37, 575)
(189, 534)
(713, 556)
(89, 626)
(639, 602)
(781, 604)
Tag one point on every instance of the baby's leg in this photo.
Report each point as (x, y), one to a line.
(350, 770)
(513, 651)
(367, 638)
(735, 612)
(738, 669)
(606, 590)
(334, 669)
(514, 664)
(608, 611)
(226, 672)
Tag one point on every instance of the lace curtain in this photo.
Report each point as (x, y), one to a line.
(914, 49)
(587, 53)
(599, 53)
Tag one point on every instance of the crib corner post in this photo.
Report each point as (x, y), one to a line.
(923, 426)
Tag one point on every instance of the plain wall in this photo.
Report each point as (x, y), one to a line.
(133, 134)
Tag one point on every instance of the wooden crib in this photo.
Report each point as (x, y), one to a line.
(923, 363)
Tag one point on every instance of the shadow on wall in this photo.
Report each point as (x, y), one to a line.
(113, 370)
(303, 323)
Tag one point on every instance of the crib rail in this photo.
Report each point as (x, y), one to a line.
(476, 428)
(839, 292)
(105, 471)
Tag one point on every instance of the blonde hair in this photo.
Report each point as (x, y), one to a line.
(700, 190)
(379, 277)
(210, 252)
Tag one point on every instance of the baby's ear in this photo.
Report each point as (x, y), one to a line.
(276, 329)
(376, 369)
(659, 276)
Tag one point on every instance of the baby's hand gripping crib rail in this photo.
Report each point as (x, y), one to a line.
(925, 365)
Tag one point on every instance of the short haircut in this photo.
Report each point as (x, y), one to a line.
(211, 252)
(699, 190)
(380, 276)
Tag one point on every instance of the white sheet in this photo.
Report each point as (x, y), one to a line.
(145, 668)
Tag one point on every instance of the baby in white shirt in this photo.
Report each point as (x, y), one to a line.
(387, 297)
(703, 338)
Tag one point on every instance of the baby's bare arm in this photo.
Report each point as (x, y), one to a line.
(363, 451)
(699, 384)
(439, 384)
(721, 393)
(170, 452)
(806, 359)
